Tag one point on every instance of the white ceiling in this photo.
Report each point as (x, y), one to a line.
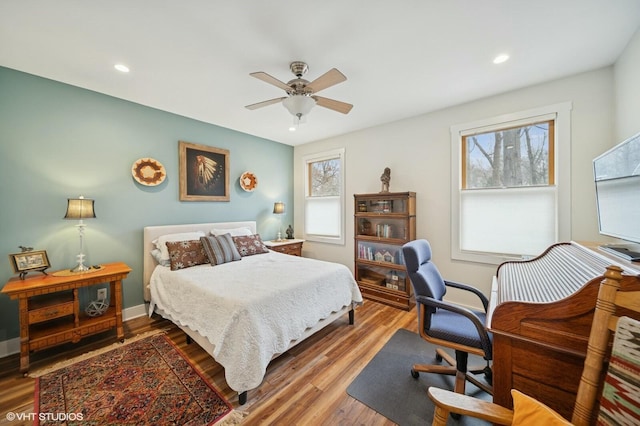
(402, 58)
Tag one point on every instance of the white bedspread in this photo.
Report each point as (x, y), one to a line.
(251, 309)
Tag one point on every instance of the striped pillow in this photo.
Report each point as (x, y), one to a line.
(220, 249)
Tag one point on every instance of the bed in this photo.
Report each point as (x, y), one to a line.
(245, 312)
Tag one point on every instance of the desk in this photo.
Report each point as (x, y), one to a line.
(540, 314)
(49, 308)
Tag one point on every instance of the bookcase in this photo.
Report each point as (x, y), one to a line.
(384, 222)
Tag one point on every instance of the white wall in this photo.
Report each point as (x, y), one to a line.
(418, 152)
(627, 90)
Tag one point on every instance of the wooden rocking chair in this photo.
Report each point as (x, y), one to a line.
(612, 304)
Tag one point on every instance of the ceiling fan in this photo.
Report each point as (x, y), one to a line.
(302, 93)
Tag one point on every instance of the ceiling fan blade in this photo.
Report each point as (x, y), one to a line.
(265, 103)
(328, 79)
(271, 80)
(342, 107)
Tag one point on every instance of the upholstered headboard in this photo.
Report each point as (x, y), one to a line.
(153, 232)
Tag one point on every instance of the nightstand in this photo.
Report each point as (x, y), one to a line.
(50, 311)
(292, 247)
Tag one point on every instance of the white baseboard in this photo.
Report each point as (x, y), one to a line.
(12, 346)
(134, 312)
(9, 347)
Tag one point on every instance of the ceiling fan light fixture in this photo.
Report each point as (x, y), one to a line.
(301, 94)
(299, 106)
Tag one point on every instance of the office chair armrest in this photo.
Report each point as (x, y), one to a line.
(443, 304)
(450, 402)
(466, 287)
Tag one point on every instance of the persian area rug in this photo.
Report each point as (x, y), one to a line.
(145, 382)
(386, 385)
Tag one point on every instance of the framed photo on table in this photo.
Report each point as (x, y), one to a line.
(27, 261)
(204, 172)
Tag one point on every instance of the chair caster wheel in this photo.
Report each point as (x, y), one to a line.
(414, 374)
(438, 357)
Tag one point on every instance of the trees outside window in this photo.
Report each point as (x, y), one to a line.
(507, 158)
(325, 177)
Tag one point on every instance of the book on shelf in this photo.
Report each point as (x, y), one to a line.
(370, 252)
(384, 230)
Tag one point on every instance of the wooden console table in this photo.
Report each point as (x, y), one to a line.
(50, 313)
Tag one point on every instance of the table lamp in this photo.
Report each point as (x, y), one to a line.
(80, 208)
(278, 208)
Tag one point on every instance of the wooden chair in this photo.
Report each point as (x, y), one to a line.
(611, 304)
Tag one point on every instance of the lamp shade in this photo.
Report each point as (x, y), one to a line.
(278, 207)
(80, 208)
(299, 105)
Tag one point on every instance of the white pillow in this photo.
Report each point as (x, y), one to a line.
(157, 255)
(235, 232)
(161, 245)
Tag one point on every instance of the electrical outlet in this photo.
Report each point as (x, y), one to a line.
(102, 293)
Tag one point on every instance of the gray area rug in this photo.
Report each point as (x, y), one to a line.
(386, 385)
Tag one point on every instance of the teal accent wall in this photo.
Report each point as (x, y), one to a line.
(59, 141)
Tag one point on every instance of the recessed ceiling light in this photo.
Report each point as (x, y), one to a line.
(501, 58)
(121, 67)
(292, 128)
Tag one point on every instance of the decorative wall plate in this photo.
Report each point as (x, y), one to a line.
(148, 172)
(248, 181)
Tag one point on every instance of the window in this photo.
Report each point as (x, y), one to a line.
(508, 201)
(509, 158)
(324, 197)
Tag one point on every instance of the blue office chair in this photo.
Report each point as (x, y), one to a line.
(446, 324)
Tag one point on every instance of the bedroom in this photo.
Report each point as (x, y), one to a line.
(60, 141)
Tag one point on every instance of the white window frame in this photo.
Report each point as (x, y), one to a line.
(321, 156)
(562, 116)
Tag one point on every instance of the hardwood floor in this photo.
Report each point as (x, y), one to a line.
(304, 386)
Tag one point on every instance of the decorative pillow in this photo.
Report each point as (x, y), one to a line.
(220, 249)
(161, 241)
(619, 403)
(235, 232)
(185, 254)
(528, 411)
(250, 245)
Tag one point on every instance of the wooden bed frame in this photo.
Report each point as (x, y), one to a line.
(149, 264)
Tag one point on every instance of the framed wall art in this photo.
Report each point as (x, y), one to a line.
(204, 172)
(36, 260)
